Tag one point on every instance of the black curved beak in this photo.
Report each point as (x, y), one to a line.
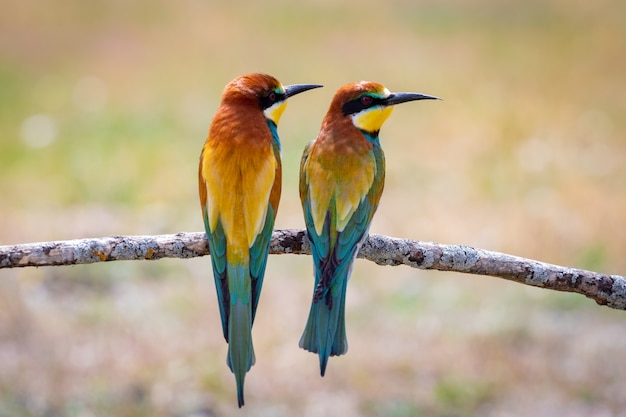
(397, 98)
(292, 90)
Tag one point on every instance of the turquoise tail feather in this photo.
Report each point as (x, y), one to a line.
(325, 331)
(240, 349)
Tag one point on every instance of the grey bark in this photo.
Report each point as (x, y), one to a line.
(609, 290)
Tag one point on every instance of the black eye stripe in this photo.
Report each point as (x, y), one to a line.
(358, 104)
(270, 99)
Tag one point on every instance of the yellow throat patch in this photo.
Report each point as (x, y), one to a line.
(275, 111)
(372, 119)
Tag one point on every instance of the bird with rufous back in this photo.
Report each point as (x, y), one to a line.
(239, 181)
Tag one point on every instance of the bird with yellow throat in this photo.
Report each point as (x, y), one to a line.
(239, 180)
(342, 174)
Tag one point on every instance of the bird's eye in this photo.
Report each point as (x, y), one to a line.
(272, 97)
(366, 100)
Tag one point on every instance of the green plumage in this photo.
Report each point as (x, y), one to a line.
(333, 256)
(342, 175)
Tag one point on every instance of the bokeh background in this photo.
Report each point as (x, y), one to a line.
(104, 106)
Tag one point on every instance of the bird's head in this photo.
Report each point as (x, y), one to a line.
(264, 91)
(369, 104)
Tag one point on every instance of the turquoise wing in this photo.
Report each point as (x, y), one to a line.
(261, 246)
(258, 258)
(320, 244)
(217, 247)
(337, 249)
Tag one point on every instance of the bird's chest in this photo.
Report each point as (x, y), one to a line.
(343, 165)
(339, 177)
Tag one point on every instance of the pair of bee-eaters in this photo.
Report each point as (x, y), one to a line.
(342, 174)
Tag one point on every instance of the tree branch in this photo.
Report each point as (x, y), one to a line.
(609, 290)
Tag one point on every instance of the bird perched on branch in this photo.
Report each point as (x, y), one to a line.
(342, 174)
(239, 181)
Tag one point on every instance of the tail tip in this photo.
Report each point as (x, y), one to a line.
(240, 401)
(323, 363)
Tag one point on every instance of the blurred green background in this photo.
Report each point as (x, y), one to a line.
(104, 106)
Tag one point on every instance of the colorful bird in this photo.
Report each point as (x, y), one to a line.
(342, 174)
(239, 181)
